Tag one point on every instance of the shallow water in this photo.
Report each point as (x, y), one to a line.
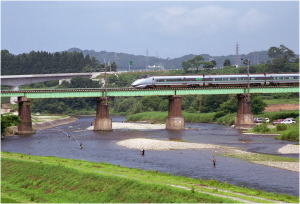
(101, 147)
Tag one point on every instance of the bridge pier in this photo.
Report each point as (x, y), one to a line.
(175, 120)
(102, 121)
(25, 126)
(14, 99)
(244, 117)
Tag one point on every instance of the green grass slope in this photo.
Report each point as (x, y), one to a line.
(27, 178)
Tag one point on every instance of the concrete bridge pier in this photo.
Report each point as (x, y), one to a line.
(14, 99)
(25, 126)
(244, 117)
(102, 121)
(175, 120)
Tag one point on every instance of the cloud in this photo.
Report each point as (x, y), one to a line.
(252, 20)
(178, 19)
(203, 20)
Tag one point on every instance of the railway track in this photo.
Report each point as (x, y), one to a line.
(131, 89)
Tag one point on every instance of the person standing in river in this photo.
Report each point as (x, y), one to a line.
(214, 161)
(143, 152)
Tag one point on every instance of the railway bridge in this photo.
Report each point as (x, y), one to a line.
(174, 120)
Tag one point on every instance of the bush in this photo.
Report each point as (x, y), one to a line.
(281, 127)
(8, 120)
(227, 119)
(281, 114)
(263, 128)
(199, 117)
(291, 134)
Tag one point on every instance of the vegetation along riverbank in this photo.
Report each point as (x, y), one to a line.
(27, 178)
(287, 132)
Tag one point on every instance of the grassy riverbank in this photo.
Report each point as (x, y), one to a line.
(160, 117)
(291, 133)
(27, 178)
(286, 132)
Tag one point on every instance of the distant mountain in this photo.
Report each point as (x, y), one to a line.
(141, 62)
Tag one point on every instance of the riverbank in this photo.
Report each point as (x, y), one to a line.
(52, 122)
(160, 117)
(42, 122)
(280, 131)
(162, 145)
(291, 134)
(290, 164)
(28, 178)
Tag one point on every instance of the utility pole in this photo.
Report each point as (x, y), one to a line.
(105, 76)
(247, 62)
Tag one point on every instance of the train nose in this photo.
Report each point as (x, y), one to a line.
(136, 83)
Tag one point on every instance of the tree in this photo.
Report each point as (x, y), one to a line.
(226, 63)
(44, 63)
(281, 52)
(214, 62)
(208, 64)
(8, 120)
(257, 105)
(113, 67)
(193, 63)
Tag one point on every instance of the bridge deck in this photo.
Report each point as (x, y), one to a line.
(75, 93)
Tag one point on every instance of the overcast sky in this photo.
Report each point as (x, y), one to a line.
(166, 29)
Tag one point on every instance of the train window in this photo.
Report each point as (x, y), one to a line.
(232, 79)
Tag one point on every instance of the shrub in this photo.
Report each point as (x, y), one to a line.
(291, 134)
(281, 127)
(8, 120)
(263, 128)
(227, 119)
(281, 114)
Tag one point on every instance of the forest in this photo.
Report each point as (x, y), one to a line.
(41, 62)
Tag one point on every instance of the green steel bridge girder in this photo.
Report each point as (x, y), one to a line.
(78, 93)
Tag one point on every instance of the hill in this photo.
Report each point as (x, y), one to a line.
(141, 62)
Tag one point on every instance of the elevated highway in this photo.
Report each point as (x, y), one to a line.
(18, 80)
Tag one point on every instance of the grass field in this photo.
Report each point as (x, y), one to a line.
(282, 101)
(27, 178)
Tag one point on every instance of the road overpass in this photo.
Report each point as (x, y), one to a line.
(18, 80)
(15, 81)
(174, 120)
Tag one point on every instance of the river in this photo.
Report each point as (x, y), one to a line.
(102, 147)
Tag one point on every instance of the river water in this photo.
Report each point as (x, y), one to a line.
(102, 147)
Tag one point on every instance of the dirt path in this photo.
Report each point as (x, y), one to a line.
(281, 107)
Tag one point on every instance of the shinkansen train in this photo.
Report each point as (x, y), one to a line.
(217, 80)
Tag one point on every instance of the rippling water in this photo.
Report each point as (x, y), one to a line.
(101, 147)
